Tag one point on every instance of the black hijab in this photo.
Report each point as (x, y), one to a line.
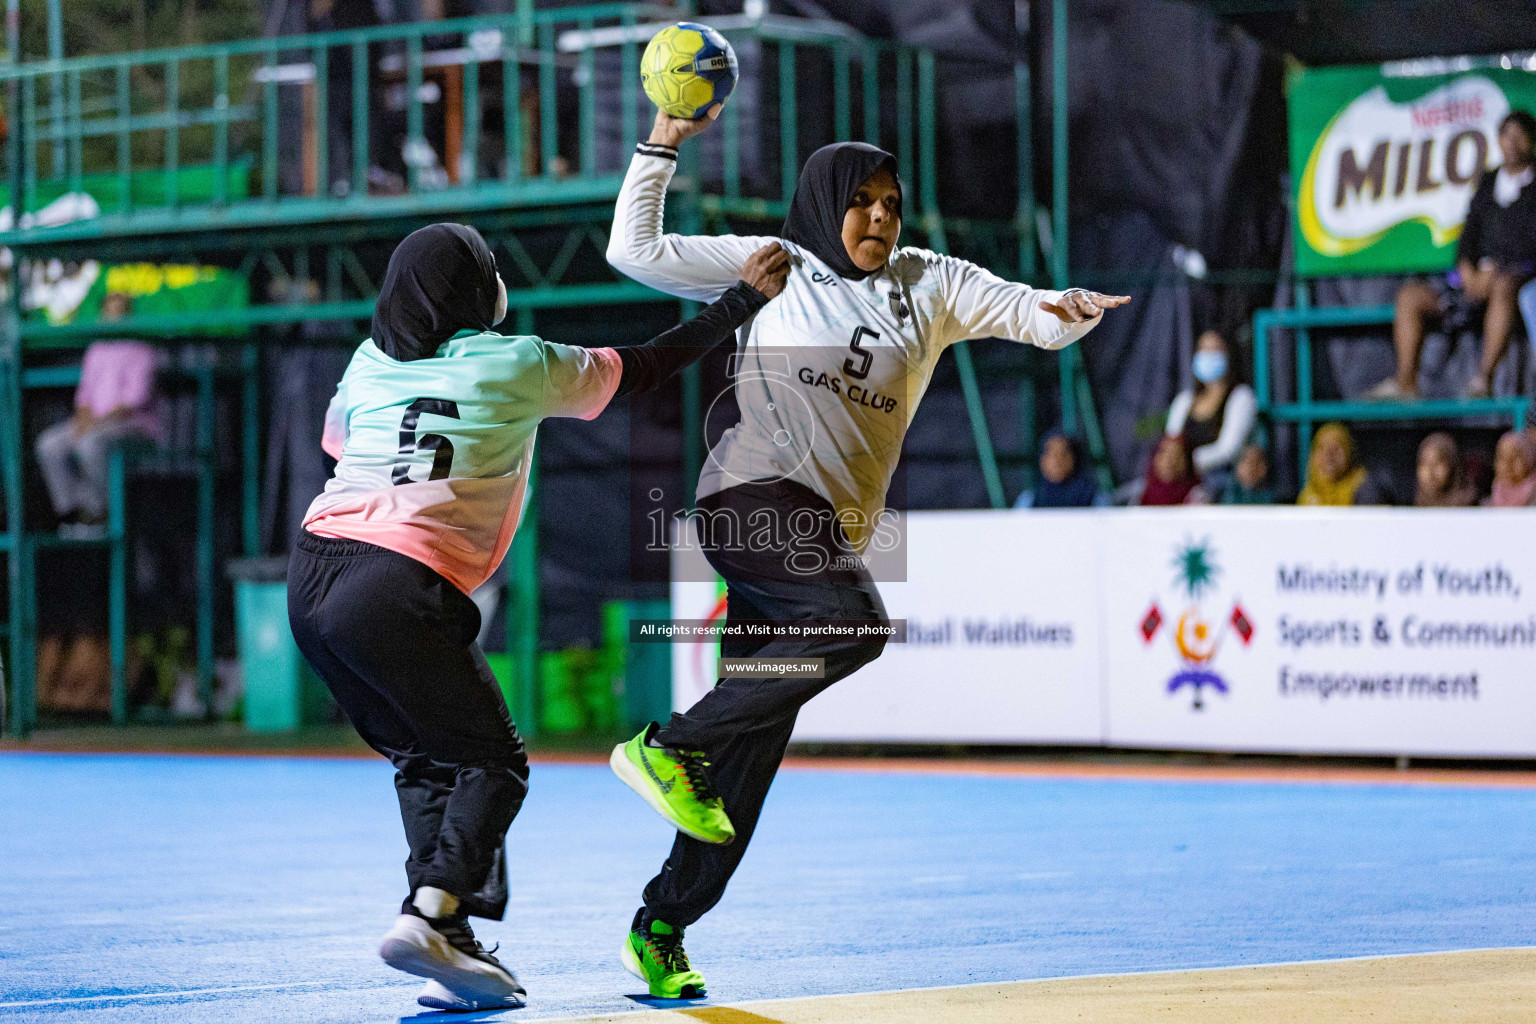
(827, 184)
(441, 280)
(1078, 490)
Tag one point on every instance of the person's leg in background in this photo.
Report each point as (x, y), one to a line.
(93, 447)
(1527, 303)
(1417, 305)
(1498, 322)
(55, 449)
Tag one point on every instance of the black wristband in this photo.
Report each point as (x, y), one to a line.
(656, 149)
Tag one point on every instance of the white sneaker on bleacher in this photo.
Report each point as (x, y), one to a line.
(1389, 390)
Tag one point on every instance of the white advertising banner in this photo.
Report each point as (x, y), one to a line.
(1003, 641)
(1367, 631)
(1002, 646)
(1358, 631)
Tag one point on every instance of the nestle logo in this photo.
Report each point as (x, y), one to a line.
(1448, 112)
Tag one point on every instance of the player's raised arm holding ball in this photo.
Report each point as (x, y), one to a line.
(860, 326)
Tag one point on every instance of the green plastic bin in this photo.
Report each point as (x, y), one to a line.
(281, 692)
(647, 668)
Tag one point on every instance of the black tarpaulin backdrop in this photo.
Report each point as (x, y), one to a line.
(1163, 151)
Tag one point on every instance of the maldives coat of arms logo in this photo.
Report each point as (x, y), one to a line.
(1196, 635)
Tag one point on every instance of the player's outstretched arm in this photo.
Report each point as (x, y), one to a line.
(698, 267)
(647, 366)
(983, 305)
(580, 382)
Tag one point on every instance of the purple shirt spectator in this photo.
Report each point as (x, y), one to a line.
(120, 375)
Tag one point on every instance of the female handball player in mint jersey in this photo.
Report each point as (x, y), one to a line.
(433, 425)
(827, 380)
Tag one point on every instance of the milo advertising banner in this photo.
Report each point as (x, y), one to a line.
(72, 292)
(1384, 158)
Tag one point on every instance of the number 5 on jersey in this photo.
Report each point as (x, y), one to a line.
(410, 444)
(866, 357)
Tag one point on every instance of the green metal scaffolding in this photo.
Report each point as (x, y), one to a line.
(192, 169)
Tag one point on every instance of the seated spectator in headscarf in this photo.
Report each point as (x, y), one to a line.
(1171, 476)
(1442, 475)
(1334, 474)
(1514, 471)
(1216, 416)
(1249, 483)
(1066, 478)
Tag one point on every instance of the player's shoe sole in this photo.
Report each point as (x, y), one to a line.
(415, 947)
(437, 996)
(632, 777)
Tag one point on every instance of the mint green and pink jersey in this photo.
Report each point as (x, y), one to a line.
(433, 454)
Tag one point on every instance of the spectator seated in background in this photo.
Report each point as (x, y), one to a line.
(1216, 416)
(1171, 477)
(1334, 474)
(1442, 475)
(1249, 483)
(1066, 478)
(1514, 471)
(1496, 255)
(114, 402)
(1528, 311)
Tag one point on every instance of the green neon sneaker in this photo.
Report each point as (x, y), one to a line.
(675, 783)
(655, 956)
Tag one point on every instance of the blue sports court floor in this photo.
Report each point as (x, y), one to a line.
(155, 888)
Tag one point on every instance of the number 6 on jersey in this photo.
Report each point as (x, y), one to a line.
(410, 444)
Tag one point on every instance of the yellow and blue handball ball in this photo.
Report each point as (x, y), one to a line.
(688, 68)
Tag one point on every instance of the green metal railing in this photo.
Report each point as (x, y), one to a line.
(220, 108)
(208, 121)
(510, 122)
(133, 120)
(1305, 410)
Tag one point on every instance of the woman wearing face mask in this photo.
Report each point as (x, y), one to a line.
(433, 427)
(827, 381)
(1216, 416)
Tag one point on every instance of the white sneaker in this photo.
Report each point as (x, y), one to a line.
(446, 952)
(437, 996)
(1388, 390)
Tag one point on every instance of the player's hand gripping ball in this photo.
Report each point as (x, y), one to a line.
(688, 68)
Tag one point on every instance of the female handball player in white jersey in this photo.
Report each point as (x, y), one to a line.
(827, 380)
(433, 425)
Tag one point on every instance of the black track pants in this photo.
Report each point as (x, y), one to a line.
(395, 642)
(744, 725)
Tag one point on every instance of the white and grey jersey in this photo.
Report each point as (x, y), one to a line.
(828, 374)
